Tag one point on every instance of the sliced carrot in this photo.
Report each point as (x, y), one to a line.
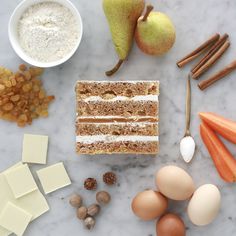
(223, 159)
(219, 124)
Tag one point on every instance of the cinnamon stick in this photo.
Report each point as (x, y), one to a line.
(218, 76)
(214, 48)
(211, 60)
(198, 50)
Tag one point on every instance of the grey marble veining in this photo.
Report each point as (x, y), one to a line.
(195, 20)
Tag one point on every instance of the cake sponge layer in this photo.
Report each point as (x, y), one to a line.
(124, 147)
(117, 129)
(117, 108)
(107, 90)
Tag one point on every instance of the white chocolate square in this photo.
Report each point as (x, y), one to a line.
(15, 219)
(35, 149)
(53, 177)
(21, 181)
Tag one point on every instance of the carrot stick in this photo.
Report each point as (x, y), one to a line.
(219, 124)
(223, 159)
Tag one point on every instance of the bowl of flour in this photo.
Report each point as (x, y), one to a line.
(45, 33)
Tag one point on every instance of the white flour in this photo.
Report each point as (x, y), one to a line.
(48, 31)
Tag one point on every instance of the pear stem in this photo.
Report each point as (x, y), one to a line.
(148, 11)
(115, 69)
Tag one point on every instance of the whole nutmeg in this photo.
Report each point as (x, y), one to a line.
(82, 212)
(109, 178)
(103, 197)
(93, 210)
(90, 184)
(89, 222)
(76, 200)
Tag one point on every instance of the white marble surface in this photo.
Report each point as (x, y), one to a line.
(195, 20)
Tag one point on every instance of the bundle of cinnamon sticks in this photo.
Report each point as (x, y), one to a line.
(213, 49)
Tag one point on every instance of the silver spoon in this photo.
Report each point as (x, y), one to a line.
(187, 144)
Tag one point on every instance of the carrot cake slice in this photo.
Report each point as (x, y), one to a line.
(117, 117)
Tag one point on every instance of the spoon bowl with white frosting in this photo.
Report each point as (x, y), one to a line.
(187, 143)
(45, 33)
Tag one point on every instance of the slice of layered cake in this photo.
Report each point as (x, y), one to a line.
(117, 117)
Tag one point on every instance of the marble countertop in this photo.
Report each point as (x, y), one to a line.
(195, 21)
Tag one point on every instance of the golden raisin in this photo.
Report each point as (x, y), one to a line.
(36, 88)
(8, 84)
(44, 113)
(21, 123)
(18, 74)
(2, 87)
(41, 94)
(27, 75)
(20, 78)
(5, 100)
(22, 67)
(8, 107)
(13, 82)
(22, 118)
(26, 88)
(36, 102)
(49, 98)
(15, 98)
(8, 116)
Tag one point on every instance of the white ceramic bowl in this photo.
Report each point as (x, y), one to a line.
(13, 35)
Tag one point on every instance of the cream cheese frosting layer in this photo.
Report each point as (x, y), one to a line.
(115, 117)
(88, 139)
(122, 98)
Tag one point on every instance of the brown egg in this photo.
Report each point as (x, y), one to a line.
(149, 205)
(170, 225)
(175, 183)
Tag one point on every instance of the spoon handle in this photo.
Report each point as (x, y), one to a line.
(188, 106)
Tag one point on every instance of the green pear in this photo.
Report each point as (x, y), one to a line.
(122, 16)
(155, 33)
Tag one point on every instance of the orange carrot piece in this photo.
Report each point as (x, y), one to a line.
(224, 127)
(223, 159)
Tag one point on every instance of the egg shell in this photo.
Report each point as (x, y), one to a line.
(204, 205)
(175, 183)
(149, 205)
(170, 225)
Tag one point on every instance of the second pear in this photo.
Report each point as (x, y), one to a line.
(155, 32)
